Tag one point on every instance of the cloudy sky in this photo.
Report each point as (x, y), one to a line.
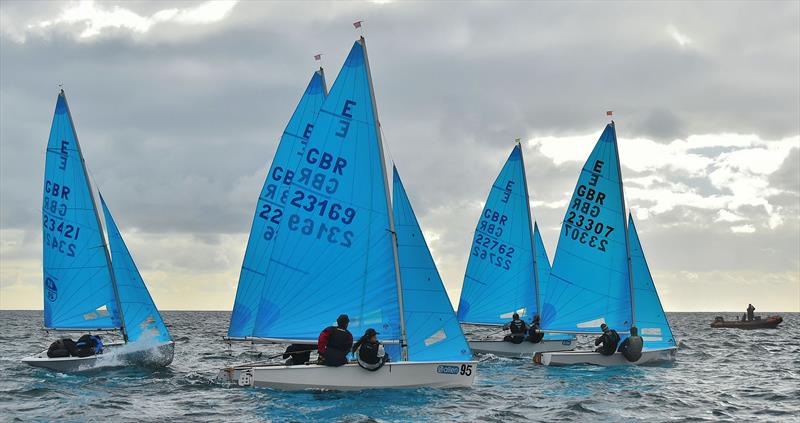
(179, 106)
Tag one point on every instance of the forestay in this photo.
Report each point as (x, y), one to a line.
(78, 292)
(432, 328)
(651, 321)
(500, 278)
(589, 283)
(333, 250)
(271, 207)
(139, 313)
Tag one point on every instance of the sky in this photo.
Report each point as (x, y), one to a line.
(179, 106)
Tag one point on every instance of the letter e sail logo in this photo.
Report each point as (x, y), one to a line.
(50, 287)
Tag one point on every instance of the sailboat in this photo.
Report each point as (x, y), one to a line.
(342, 246)
(508, 266)
(599, 272)
(86, 287)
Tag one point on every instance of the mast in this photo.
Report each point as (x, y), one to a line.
(403, 339)
(97, 216)
(530, 227)
(625, 226)
(321, 73)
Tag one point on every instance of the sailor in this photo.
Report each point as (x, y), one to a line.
(370, 352)
(750, 310)
(297, 354)
(631, 347)
(609, 339)
(335, 342)
(518, 329)
(89, 345)
(533, 332)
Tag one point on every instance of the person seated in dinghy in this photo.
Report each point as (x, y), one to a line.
(369, 352)
(609, 340)
(750, 310)
(518, 329)
(335, 342)
(85, 346)
(296, 354)
(534, 335)
(631, 347)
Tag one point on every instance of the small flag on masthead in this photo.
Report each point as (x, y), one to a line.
(609, 112)
(357, 24)
(318, 57)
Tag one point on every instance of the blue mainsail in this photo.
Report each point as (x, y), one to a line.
(334, 251)
(500, 278)
(650, 317)
(78, 293)
(589, 283)
(141, 317)
(432, 329)
(271, 205)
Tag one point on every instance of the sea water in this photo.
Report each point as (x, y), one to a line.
(719, 374)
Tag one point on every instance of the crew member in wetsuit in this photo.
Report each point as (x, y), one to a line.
(750, 310)
(533, 332)
(631, 347)
(296, 354)
(518, 329)
(335, 342)
(89, 345)
(609, 339)
(369, 351)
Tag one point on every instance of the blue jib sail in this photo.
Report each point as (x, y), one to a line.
(333, 250)
(271, 205)
(432, 330)
(77, 278)
(589, 282)
(499, 280)
(141, 317)
(650, 317)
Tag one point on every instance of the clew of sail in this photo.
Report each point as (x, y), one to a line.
(433, 330)
(271, 206)
(589, 283)
(334, 251)
(651, 321)
(78, 293)
(141, 317)
(500, 278)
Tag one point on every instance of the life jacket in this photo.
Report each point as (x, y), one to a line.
(89, 345)
(340, 339)
(534, 336)
(610, 340)
(517, 327)
(371, 356)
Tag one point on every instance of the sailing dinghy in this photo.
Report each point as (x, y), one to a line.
(599, 272)
(86, 288)
(508, 266)
(341, 246)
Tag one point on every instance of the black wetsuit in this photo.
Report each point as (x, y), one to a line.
(533, 335)
(368, 356)
(294, 357)
(631, 348)
(518, 329)
(750, 310)
(609, 340)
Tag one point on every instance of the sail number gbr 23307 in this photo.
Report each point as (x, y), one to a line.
(583, 222)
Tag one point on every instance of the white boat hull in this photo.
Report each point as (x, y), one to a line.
(115, 354)
(570, 358)
(522, 350)
(351, 377)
